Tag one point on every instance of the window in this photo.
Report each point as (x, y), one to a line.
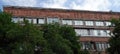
(41, 21)
(30, 20)
(81, 32)
(100, 33)
(34, 21)
(68, 22)
(16, 20)
(103, 33)
(92, 32)
(77, 22)
(99, 23)
(99, 46)
(83, 45)
(86, 45)
(89, 23)
(52, 20)
(108, 45)
(77, 32)
(103, 46)
(95, 32)
(108, 33)
(107, 23)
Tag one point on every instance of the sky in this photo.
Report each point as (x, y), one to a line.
(90, 5)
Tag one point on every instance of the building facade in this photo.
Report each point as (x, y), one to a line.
(93, 27)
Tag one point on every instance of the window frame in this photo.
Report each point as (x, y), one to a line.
(80, 22)
(107, 23)
(52, 20)
(88, 23)
(17, 19)
(43, 22)
(99, 23)
(68, 22)
(31, 20)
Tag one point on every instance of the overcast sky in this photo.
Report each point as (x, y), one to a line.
(92, 5)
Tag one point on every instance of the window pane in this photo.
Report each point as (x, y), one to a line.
(102, 33)
(97, 46)
(103, 46)
(95, 32)
(81, 32)
(52, 20)
(41, 21)
(16, 20)
(83, 45)
(89, 23)
(68, 22)
(34, 21)
(92, 33)
(107, 23)
(108, 45)
(78, 22)
(30, 20)
(77, 32)
(99, 23)
(108, 33)
(87, 45)
(100, 46)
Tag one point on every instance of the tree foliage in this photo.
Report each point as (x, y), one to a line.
(69, 34)
(26, 38)
(114, 41)
(20, 38)
(5, 25)
(60, 38)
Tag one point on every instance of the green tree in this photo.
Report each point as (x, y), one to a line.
(69, 34)
(17, 38)
(5, 25)
(114, 41)
(29, 39)
(26, 38)
(57, 43)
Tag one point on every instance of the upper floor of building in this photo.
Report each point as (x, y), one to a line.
(59, 13)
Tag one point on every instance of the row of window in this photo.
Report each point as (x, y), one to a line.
(88, 23)
(92, 32)
(30, 20)
(68, 22)
(99, 46)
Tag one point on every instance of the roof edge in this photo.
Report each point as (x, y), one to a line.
(60, 9)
